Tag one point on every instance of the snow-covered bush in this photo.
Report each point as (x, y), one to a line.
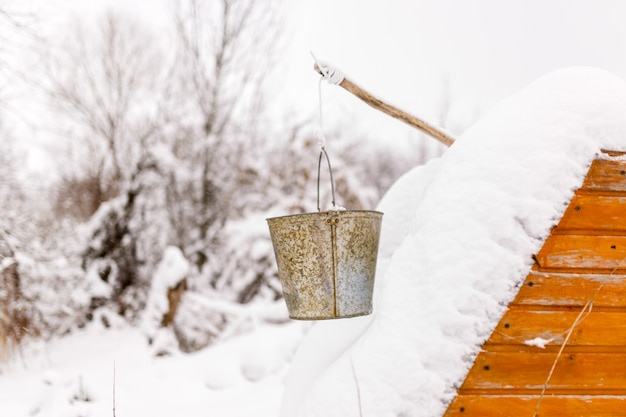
(127, 238)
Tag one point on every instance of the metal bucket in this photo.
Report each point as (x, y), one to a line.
(327, 262)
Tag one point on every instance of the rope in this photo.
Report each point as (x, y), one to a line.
(330, 74)
(334, 77)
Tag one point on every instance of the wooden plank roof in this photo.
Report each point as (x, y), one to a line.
(560, 348)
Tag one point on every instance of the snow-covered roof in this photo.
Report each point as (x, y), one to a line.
(457, 240)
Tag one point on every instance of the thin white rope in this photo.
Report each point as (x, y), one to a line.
(333, 76)
(319, 133)
(330, 74)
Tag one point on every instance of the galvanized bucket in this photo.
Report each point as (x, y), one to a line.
(327, 262)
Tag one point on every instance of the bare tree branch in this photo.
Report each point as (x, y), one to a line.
(105, 80)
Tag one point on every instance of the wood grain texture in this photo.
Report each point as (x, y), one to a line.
(595, 214)
(604, 330)
(583, 252)
(575, 372)
(606, 175)
(524, 406)
(559, 289)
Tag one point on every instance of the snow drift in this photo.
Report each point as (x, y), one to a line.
(457, 240)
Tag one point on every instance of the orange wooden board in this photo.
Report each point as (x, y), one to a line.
(583, 259)
(524, 406)
(583, 251)
(526, 372)
(595, 213)
(571, 289)
(603, 330)
(607, 175)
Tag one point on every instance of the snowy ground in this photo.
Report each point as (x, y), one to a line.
(73, 376)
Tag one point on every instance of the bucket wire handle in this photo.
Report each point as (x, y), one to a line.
(332, 181)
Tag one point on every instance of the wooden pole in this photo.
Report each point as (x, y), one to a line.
(393, 111)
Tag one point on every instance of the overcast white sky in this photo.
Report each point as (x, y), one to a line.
(411, 52)
(415, 53)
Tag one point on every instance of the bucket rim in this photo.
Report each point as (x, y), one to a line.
(327, 212)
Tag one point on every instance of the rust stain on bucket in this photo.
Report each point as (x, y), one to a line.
(327, 262)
